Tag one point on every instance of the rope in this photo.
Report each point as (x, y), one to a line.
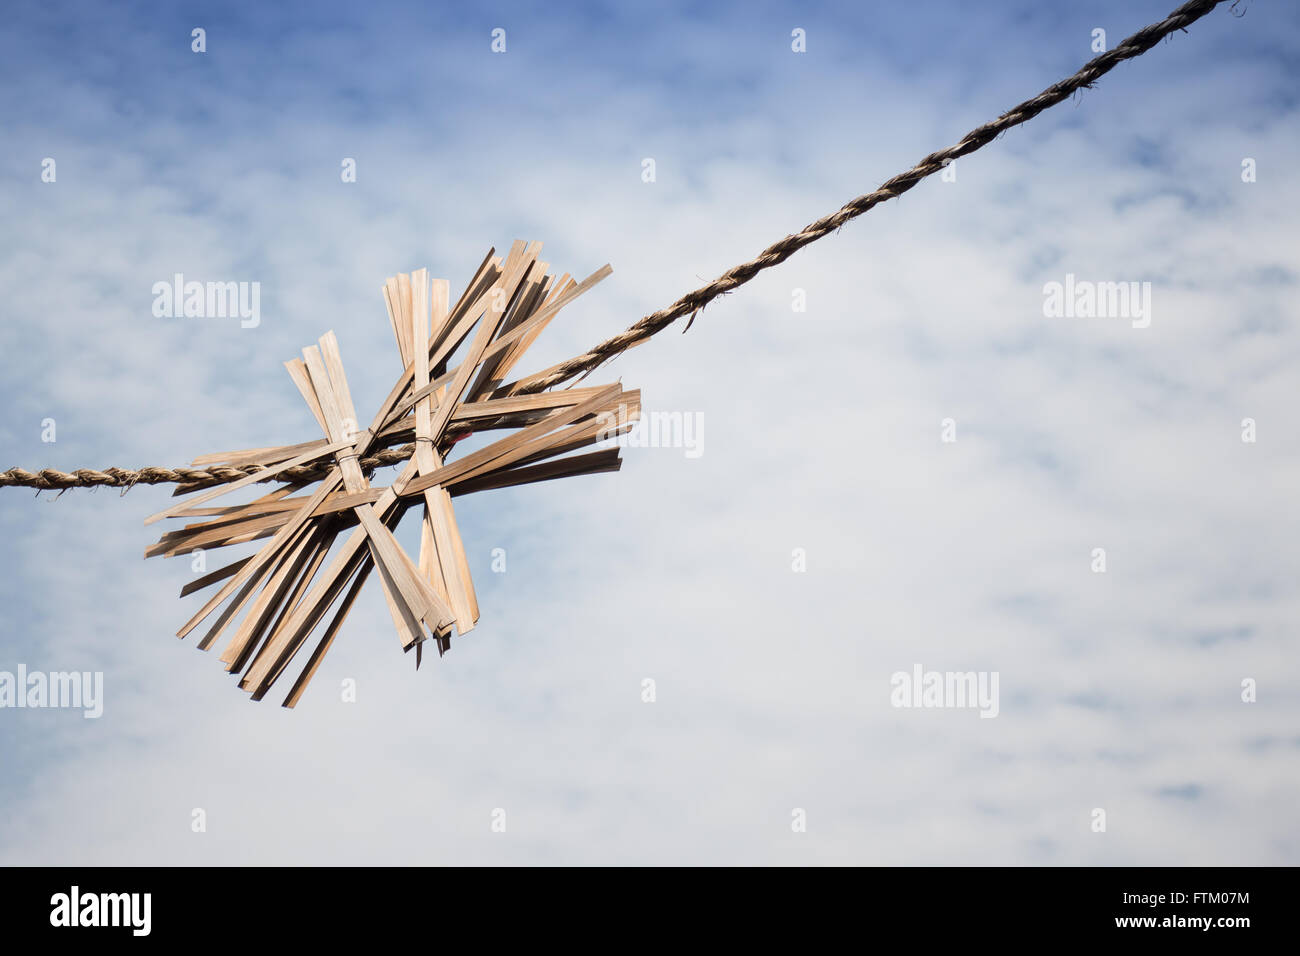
(778, 252)
(191, 478)
(689, 304)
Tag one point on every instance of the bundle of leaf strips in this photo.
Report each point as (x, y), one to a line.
(287, 588)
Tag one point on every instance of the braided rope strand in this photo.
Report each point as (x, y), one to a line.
(191, 478)
(687, 305)
(778, 252)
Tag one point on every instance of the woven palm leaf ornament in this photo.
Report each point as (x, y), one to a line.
(288, 586)
(328, 525)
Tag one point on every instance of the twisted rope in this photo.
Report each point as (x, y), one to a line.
(191, 478)
(691, 303)
(778, 252)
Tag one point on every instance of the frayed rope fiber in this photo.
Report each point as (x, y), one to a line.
(687, 305)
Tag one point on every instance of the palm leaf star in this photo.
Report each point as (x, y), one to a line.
(287, 586)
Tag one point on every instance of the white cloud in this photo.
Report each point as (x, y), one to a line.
(1118, 690)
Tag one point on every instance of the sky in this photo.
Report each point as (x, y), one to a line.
(916, 470)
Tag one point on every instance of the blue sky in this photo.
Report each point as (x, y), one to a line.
(1118, 690)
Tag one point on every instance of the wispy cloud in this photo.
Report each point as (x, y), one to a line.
(1119, 690)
